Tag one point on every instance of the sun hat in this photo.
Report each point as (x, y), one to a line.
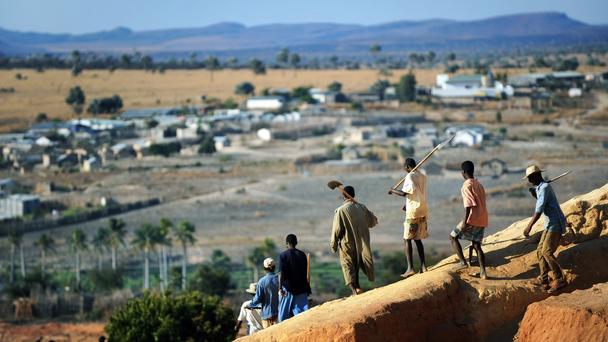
(252, 288)
(532, 169)
(269, 263)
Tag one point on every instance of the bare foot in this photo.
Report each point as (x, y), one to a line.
(423, 269)
(408, 274)
(359, 291)
(461, 265)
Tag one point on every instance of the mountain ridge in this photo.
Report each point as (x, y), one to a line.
(518, 30)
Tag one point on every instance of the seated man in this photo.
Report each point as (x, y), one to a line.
(253, 317)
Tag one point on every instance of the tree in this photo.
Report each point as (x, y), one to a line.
(15, 238)
(266, 250)
(78, 244)
(375, 51)
(245, 88)
(145, 240)
(406, 89)
(430, 57)
(207, 145)
(100, 243)
(212, 64)
(335, 86)
(334, 60)
(184, 233)
(46, 244)
(109, 105)
(189, 316)
(116, 237)
(211, 280)
(451, 57)
(147, 62)
(76, 99)
(125, 61)
(257, 66)
(283, 58)
(569, 64)
(42, 117)
(379, 87)
(295, 60)
(164, 241)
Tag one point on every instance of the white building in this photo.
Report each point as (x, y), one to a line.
(323, 96)
(270, 103)
(18, 205)
(466, 135)
(221, 142)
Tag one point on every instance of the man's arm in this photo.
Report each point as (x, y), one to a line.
(467, 213)
(372, 220)
(337, 232)
(397, 192)
(281, 276)
(531, 223)
(538, 210)
(258, 297)
(237, 326)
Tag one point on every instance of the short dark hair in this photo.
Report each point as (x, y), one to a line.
(410, 162)
(468, 167)
(350, 190)
(291, 239)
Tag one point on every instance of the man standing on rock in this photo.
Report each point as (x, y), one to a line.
(350, 235)
(293, 282)
(416, 215)
(266, 294)
(555, 224)
(475, 217)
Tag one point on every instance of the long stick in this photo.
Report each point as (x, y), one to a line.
(308, 267)
(438, 147)
(558, 177)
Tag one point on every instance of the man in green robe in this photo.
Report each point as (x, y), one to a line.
(350, 235)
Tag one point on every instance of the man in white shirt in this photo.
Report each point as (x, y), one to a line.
(416, 215)
(252, 316)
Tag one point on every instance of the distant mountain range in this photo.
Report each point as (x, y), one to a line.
(525, 31)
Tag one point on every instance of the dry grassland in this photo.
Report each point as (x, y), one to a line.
(45, 92)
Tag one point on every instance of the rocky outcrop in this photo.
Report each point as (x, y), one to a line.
(578, 316)
(449, 304)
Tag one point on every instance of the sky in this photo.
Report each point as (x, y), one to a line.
(81, 16)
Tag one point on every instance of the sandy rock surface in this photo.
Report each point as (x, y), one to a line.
(578, 316)
(446, 303)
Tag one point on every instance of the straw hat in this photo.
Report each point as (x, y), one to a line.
(252, 288)
(531, 170)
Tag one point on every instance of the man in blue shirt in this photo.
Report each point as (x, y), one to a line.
(267, 294)
(555, 224)
(294, 287)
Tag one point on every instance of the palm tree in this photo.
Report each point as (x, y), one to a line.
(163, 240)
(100, 242)
(145, 240)
(78, 244)
(184, 233)
(16, 239)
(116, 237)
(46, 245)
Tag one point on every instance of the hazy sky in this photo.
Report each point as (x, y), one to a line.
(78, 16)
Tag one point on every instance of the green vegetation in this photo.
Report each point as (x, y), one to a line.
(406, 89)
(109, 105)
(165, 150)
(191, 316)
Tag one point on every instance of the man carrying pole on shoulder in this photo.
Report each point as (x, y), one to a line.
(416, 214)
(555, 224)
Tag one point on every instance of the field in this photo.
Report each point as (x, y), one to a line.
(46, 91)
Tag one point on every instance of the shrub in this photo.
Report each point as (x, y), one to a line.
(190, 316)
(165, 150)
(211, 280)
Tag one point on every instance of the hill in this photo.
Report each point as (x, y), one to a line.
(447, 304)
(532, 30)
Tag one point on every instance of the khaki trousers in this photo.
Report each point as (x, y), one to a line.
(549, 241)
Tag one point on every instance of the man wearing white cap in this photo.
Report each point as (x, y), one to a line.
(252, 316)
(267, 294)
(555, 224)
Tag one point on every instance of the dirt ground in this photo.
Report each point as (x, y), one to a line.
(59, 332)
(46, 92)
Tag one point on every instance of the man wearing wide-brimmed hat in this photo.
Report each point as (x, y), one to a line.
(251, 315)
(555, 224)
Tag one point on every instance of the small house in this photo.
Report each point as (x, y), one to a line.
(18, 205)
(266, 103)
(221, 142)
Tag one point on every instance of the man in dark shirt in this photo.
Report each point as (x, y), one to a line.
(293, 281)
